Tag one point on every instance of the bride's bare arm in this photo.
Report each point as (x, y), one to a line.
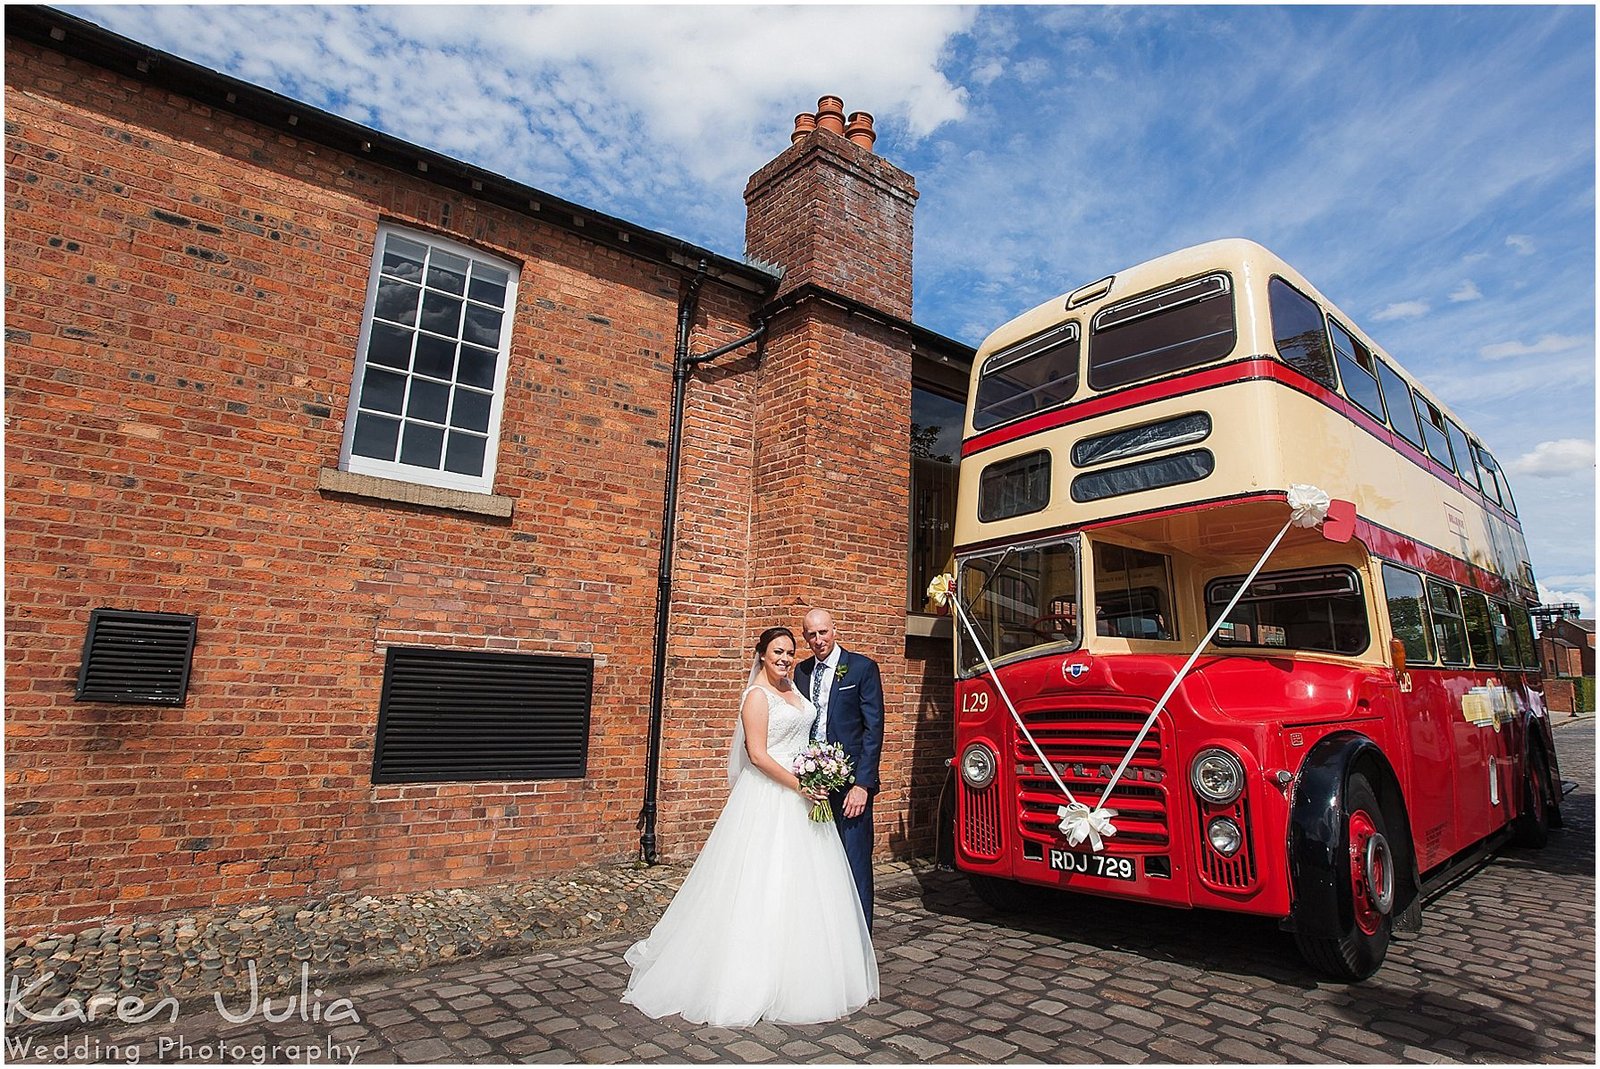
(754, 715)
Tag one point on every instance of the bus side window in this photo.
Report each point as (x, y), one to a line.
(1433, 430)
(1449, 628)
(1466, 467)
(1490, 485)
(1480, 635)
(1522, 627)
(1298, 333)
(1355, 369)
(1397, 398)
(1408, 613)
(1505, 640)
(1494, 481)
(1319, 609)
(1014, 487)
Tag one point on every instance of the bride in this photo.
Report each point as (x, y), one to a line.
(767, 925)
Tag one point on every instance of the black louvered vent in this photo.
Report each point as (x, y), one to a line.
(454, 715)
(136, 657)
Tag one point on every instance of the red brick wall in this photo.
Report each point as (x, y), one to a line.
(184, 295)
(835, 214)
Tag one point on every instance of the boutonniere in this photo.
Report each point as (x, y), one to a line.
(839, 673)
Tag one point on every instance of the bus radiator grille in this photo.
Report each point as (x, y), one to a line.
(1236, 873)
(980, 824)
(1085, 746)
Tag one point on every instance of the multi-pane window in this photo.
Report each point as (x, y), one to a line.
(1408, 613)
(1463, 453)
(430, 374)
(1449, 626)
(1014, 487)
(1036, 374)
(1433, 430)
(1397, 397)
(935, 460)
(1297, 332)
(1180, 327)
(1357, 370)
(1480, 632)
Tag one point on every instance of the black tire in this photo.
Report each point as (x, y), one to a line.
(1006, 896)
(1368, 922)
(1532, 826)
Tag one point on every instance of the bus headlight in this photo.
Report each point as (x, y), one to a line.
(977, 766)
(1225, 836)
(1217, 776)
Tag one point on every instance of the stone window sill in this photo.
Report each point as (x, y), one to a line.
(925, 625)
(334, 481)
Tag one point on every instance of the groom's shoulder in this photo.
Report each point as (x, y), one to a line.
(861, 658)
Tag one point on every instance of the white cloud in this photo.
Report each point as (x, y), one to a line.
(1560, 593)
(1402, 310)
(1547, 343)
(656, 114)
(1522, 244)
(1467, 291)
(1552, 460)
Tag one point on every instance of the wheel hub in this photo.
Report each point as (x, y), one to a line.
(1371, 873)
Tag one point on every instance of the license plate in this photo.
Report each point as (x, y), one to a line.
(1107, 868)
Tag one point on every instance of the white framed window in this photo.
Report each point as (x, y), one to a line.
(430, 371)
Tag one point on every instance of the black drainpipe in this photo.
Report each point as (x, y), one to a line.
(682, 364)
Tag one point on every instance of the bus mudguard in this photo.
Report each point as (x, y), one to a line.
(1316, 834)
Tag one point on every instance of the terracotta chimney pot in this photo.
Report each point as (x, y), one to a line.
(860, 131)
(804, 123)
(830, 115)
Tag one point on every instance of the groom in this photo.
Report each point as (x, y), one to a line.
(848, 693)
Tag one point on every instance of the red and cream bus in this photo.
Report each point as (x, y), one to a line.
(1320, 734)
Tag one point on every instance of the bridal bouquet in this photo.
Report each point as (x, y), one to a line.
(823, 766)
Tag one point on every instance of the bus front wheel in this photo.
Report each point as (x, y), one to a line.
(1005, 896)
(1368, 877)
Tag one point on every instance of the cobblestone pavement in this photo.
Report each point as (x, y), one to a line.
(1504, 971)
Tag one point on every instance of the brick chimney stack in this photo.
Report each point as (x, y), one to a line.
(832, 213)
(833, 412)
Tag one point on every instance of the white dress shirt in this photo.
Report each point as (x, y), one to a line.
(824, 670)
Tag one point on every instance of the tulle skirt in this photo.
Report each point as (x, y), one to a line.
(766, 926)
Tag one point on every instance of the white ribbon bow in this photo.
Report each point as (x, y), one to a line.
(1308, 506)
(1079, 822)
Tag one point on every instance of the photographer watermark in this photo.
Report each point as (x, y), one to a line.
(179, 1048)
(306, 1005)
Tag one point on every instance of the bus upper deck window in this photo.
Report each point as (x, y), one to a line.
(1029, 377)
(1433, 431)
(1356, 370)
(1397, 399)
(1156, 333)
(1465, 467)
(1298, 332)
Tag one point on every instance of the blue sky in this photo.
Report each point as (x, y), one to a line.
(1431, 169)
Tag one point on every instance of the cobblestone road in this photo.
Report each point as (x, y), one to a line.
(1504, 971)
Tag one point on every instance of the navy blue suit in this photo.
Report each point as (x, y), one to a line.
(855, 721)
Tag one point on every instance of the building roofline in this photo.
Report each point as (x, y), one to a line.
(85, 41)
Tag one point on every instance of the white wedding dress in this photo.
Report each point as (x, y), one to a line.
(767, 925)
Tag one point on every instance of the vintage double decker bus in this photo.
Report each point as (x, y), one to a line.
(1320, 734)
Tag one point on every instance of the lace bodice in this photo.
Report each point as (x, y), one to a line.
(788, 725)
